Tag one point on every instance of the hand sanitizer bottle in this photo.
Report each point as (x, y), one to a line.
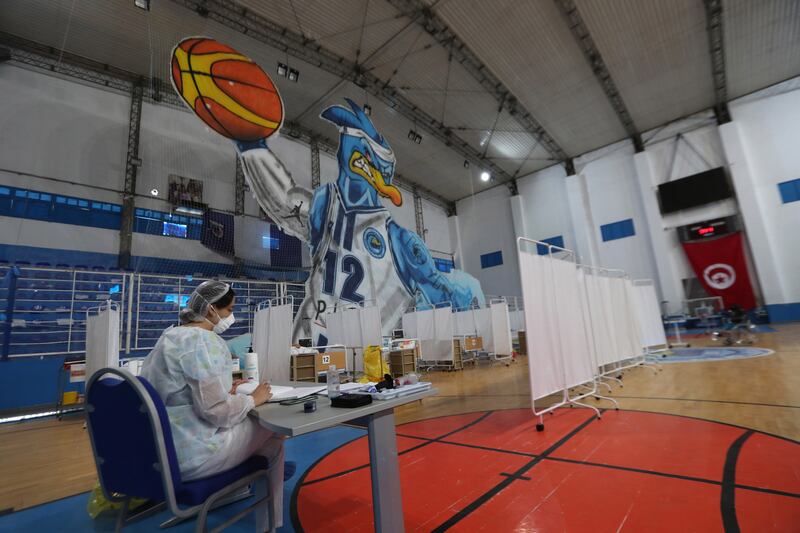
(332, 378)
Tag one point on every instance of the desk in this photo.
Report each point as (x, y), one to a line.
(378, 417)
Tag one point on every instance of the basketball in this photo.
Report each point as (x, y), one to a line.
(226, 89)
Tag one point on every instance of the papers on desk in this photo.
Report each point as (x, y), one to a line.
(348, 387)
(279, 392)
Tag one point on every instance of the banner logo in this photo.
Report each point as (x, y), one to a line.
(719, 276)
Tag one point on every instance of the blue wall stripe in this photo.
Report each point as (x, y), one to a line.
(784, 312)
(492, 259)
(790, 190)
(13, 253)
(558, 240)
(32, 381)
(618, 230)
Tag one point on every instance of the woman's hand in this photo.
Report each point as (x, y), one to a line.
(262, 394)
(236, 383)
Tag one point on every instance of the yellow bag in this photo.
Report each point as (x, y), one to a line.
(98, 503)
(374, 365)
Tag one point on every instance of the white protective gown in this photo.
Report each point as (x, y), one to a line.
(190, 368)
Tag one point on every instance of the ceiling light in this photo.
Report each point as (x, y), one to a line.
(282, 69)
(466, 163)
(142, 4)
(411, 135)
(153, 192)
(293, 75)
(367, 109)
(418, 138)
(485, 176)
(188, 210)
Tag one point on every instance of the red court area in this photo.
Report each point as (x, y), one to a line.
(630, 471)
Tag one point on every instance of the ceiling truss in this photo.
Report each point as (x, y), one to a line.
(592, 54)
(255, 26)
(716, 47)
(440, 31)
(156, 91)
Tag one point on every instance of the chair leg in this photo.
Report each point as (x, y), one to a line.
(212, 503)
(123, 513)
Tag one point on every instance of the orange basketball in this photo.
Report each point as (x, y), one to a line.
(226, 89)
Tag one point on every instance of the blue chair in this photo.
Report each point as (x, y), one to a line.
(135, 454)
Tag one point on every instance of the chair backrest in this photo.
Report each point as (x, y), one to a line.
(131, 436)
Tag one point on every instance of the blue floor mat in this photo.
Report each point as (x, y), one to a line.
(684, 355)
(69, 514)
(699, 331)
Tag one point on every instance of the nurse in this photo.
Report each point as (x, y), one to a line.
(190, 367)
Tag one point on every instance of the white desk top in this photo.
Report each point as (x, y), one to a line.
(290, 420)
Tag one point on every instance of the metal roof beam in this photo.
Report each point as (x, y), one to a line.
(440, 31)
(716, 46)
(592, 54)
(155, 90)
(260, 28)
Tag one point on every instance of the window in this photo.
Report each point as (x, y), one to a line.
(444, 265)
(558, 240)
(60, 209)
(174, 230)
(270, 243)
(181, 299)
(492, 259)
(790, 191)
(618, 230)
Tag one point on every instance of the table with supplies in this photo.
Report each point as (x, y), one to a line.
(378, 418)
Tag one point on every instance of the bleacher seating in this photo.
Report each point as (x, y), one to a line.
(51, 304)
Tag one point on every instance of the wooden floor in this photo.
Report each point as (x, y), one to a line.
(46, 460)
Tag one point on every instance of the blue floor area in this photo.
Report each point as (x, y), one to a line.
(760, 328)
(69, 514)
(684, 355)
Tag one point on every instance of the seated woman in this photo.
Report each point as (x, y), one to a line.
(190, 367)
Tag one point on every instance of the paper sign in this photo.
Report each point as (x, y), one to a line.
(77, 372)
(326, 359)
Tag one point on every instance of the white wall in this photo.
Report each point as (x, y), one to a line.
(544, 201)
(770, 129)
(174, 248)
(25, 232)
(403, 214)
(611, 181)
(486, 226)
(174, 141)
(61, 129)
(437, 235)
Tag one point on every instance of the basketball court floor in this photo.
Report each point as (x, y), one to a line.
(698, 446)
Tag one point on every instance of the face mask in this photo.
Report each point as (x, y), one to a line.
(223, 324)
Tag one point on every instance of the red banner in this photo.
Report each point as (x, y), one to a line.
(720, 266)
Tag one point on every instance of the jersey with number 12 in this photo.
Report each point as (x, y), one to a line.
(354, 263)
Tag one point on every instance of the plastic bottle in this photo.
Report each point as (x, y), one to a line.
(332, 378)
(251, 366)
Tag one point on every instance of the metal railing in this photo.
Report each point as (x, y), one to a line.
(48, 315)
